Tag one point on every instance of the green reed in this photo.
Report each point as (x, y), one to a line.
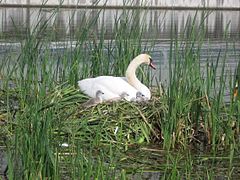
(195, 96)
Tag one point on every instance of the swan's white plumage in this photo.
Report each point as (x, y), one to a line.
(113, 87)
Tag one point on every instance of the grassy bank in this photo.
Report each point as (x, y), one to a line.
(48, 134)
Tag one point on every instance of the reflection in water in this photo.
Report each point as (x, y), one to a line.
(151, 3)
(158, 22)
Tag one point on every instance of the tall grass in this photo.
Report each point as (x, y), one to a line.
(196, 96)
(43, 109)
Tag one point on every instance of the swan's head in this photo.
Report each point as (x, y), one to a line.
(99, 96)
(139, 95)
(146, 59)
(124, 95)
(99, 93)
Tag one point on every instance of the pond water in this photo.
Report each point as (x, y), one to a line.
(158, 22)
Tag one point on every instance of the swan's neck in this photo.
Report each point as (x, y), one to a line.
(131, 74)
(133, 80)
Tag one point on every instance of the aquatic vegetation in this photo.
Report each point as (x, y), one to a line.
(49, 134)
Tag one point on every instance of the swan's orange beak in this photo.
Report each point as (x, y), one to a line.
(235, 91)
(151, 64)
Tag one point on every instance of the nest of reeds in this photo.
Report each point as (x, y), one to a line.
(119, 122)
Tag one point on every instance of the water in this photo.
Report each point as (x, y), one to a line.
(3, 162)
(158, 22)
(151, 3)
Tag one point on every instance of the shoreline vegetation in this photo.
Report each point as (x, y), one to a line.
(189, 131)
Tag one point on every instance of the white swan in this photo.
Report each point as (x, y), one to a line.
(113, 87)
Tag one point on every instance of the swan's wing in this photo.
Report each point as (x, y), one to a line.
(114, 87)
(85, 86)
(111, 86)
